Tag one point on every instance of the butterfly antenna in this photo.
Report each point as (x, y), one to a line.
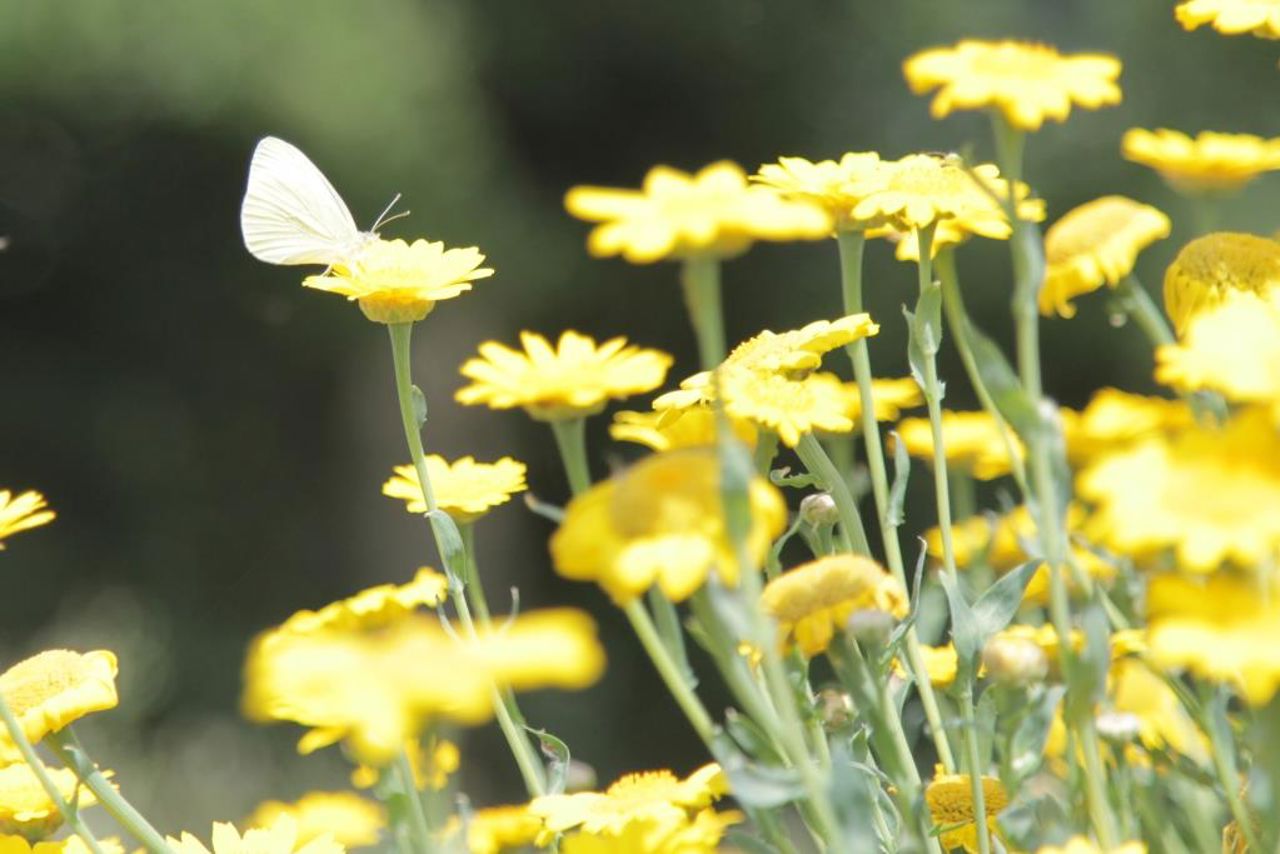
(383, 219)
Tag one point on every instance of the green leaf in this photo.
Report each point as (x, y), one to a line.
(753, 785)
(1033, 733)
(1087, 682)
(984, 720)
(452, 552)
(773, 562)
(750, 737)
(915, 354)
(1024, 822)
(731, 609)
(965, 635)
(928, 319)
(557, 754)
(742, 840)
(901, 473)
(999, 603)
(783, 477)
(1003, 385)
(853, 792)
(419, 406)
(543, 508)
(667, 620)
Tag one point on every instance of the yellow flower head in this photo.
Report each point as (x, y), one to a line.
(1114, 419)
(1221, 627)
(65, 845)
(55, 688)
(940, 663)
(1232, 17)
(1210, 267)
(922, 190)
(714, 213)
(26, 808)
(646, 796)
(972, 441)
(1163, 722)
(1211, 494)
(814, 601)
(1093, 245)
(344, 817)
(1026, 82)
(465, 489)
(695, 427)
(1085, 845)
(950, 801)
(950, 233)
(371, 608)
(790, 408)
(661, 521)
(374, 690)
(22, 512)
(431, 768)
(398, 282)
(1232, 348)
(1211, 162)
(888, 399)
(699, 833)
(572, 379)
(496, 829)
(281, 838)
(829, 183)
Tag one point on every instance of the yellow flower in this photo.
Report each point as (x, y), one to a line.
(889, 398)
(1085, 845)
(1209, 268)
(66, 845)
(371, 608)
(465, 489)
(26, 808)
(790, 408)
(1211, 494)
(22, 512)
(700, 834)
(1232, 348)
(713, 213)
(694, 427)
(1224, 627)
(1232, 17)
(53, 689)
(921, 190)
(972, 442)
(950, 801)
(814, 601)
(940, 663)
(573, 379)
(950, 233)
(344, 817)
(1114, 419)
(375, 689)
(496, 829)
(657, 796)
(1026, 82)
(280, 838)
(828, 183)
(661, 521)
(398, 282)
(1093, 245)
(431, 768)
(1209, 163)
(1163, 722)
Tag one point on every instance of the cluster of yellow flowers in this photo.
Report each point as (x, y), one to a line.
(1090, 666)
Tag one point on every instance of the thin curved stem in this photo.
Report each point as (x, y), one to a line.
(670, 671)
(418, 826)
(975, 772)
(815, 459)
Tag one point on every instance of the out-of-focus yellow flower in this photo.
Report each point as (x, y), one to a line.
(66, 845)
(1025, 82)
(577, 377)
(1232, 17)
(493, 830)
(661, 521)
(713, 213)
(1209, 163)
(55, 688)
(26, 808)
(814, 601)
(950, 801)
(696, 427)
(375, 689)
(922, 190)
(972, 441)
(345, 817)
(657, 796)
(699, 834)
(1224, 627)
(371, 608)
(1210, 494)
(1085, 845)
(1232, 348)
(1209, 268)
(431, 768)
(940, 663)
(1163, 722)
(889, 398)
(1114, 419)
(829, 183)
(22, 512)
(281, 838)
(464, 488)
(398, 282)
(1093, 245)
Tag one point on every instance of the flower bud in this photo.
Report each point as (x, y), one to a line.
(870, 627)
(1015, 661)
(835, 708)
(819, 510)
(1118, 727)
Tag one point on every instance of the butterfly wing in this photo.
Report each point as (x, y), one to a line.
(291, 213)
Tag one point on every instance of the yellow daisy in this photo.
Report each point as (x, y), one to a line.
(814, 601)
(646, 796)
(950, 233)
(22, 512)
(465, 489)
(661, 521)
(1210, 494)
(888, 397)
(26, 808)
(371, 608)
(280, 838)
(493, 830)
(695, 427)
(1210, 267)
(345, 817)
(1232, 17)
(1114, 419)
(972, 441)
(950, 801)
(940, 663)
(1211, 162)
(922, 190)
(398, 282)
(572, 379)
(828, 183)
(1026, 82)
(1163, 723)
(1093, 245)
(713, 213)
(53, 689)
(431, 768)
(699, 833)
(1085, 845)
(66, 845)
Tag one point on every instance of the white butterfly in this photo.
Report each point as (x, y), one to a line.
(291, 213)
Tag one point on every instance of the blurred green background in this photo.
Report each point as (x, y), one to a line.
(214, 438)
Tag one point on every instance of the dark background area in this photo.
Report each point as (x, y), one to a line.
(214, 438)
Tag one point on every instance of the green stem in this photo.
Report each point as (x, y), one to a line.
(71, 814)
(815, 459)
(672, 676)
(851, 244)
(1144, 312)
(975, 772)
(418, 826)
(766, 450)
(1223, 749)
(66, 746)
(700, 277)
(467, 531)
(571, 439)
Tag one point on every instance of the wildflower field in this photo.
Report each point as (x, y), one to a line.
(885, 619)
